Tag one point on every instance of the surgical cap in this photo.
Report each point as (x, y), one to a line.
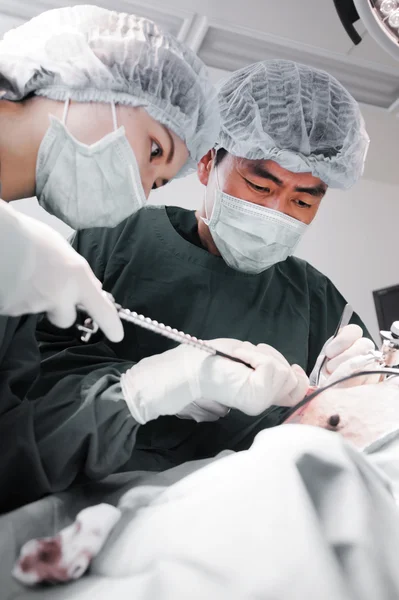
(297, 116)
(87, 53)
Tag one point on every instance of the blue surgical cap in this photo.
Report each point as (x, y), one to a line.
(87, 53)
(300, 117)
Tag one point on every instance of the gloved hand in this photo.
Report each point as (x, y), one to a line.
(363, 362)
(205, 410)
(40, 272)
(167, 383)
(348, 344)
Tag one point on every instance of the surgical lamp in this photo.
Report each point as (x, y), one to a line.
(380, 17)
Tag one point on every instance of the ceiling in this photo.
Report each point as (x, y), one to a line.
(228, 34)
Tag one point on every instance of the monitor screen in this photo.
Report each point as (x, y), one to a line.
(387, 306)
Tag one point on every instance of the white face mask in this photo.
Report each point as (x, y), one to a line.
(251, 238)
(88, 186)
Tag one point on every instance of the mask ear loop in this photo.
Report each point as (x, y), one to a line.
(65, 113)
(206, 189)
(114, 119)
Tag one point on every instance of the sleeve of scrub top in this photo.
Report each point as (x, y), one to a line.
(84, 426)
(326, 307)
(23, 477)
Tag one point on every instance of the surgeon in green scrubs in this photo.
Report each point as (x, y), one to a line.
(288, 133)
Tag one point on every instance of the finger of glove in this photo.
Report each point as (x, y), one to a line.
(63, 315)
(100, 308)
(203, 411)
(229, 345)
(216, 408)
(299, 392)
(270, 351)
(294, 389)
(270, 382)
(361, 347)
(344, 340)
(255, 356)
(351, 366)
(273, 378)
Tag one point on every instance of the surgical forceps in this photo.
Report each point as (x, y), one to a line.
(90, 327)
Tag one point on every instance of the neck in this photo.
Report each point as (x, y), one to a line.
(205, 235)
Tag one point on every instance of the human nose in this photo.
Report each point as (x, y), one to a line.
(275, 202)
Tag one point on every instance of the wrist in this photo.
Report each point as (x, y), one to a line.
(162, 384)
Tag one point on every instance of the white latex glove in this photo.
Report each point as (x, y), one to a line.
(40, 272)
(348, 344)
(167, 383)
(204, 410)
(67, 555)
(353, 365)
(210, 410)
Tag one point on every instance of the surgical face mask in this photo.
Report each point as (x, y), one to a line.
(251, 238)
(88, 186)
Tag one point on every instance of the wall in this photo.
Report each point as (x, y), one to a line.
(352, 239)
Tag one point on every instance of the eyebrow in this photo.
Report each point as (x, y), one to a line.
(261, 171)
(316, 191)
(172, 145)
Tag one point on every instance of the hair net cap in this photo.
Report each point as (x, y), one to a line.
(300, 117)
(87, 53)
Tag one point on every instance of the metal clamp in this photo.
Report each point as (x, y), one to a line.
(88, 328)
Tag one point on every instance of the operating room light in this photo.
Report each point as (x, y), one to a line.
(388, 6)
(393, 18)
(380, 17)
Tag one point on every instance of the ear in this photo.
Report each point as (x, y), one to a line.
(205, 166)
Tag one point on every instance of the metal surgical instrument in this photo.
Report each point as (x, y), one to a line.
(343, 322)
(90, 327)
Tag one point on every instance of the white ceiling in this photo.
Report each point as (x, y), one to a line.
(228, 34)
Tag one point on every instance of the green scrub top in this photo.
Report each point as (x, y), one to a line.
(154, 263)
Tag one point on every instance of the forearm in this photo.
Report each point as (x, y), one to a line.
(84, 427)
(13, 252)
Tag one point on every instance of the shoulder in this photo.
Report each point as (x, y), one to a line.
(295, 265)
(138, 219)
(314, 276)
(124, 229)
(318, 285)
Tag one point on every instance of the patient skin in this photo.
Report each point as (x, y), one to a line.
(261, 182)
(361, 414)
(160, 153)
